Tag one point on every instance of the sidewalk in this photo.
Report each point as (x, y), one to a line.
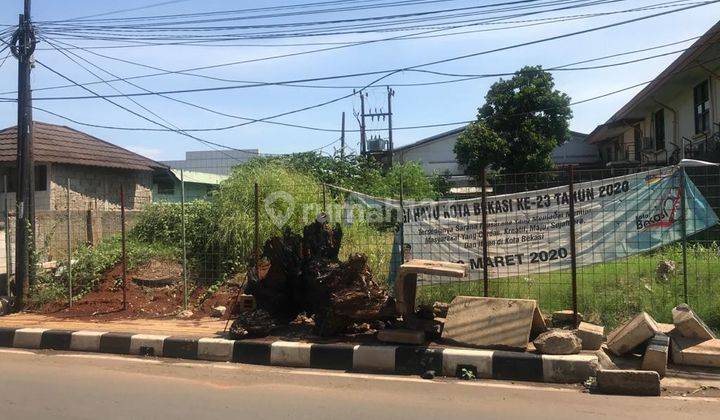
(204, 327)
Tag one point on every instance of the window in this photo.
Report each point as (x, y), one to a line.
(701, 100)
(659, 118)
(40, 178)
(11, 174)
(166, 187)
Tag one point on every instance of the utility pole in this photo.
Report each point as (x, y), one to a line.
(22, 47)
(390, 94)
(342, 137)
(377, 147)
(363, 146)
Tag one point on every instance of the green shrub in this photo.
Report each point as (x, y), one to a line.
(90, 263)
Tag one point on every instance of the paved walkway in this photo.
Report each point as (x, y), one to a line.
(205, 327)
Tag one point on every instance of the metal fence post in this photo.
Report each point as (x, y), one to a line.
(483, 205)
(324, 199)
(124, 255)
(256, 244)
(69, 247)
(8, 252)
(573, 250)
(184, 243)
(683, 231)
(402, 220)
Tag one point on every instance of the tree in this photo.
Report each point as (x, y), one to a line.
(479, 146)
(517, 128)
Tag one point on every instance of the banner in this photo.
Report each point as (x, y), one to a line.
(529, 232)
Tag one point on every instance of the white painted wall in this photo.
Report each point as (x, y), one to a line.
(435, 156)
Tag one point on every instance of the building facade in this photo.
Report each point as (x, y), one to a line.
(218, 162)
(676, 116)
(436, 153)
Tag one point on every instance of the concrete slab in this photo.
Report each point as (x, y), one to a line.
(481, 360)
(592, 335)
(564, 317)
(628, 382)
(689, 325)
(86, 341)
(695, 352)
(215, 349)
(28, 338)
(569, 369)
(538, 324)
(656, 354)
(374, 358)
(489, 322)
(145, 341)
(665, 328)
(401, 336)
(289, 353)
(632, 334)
(406, 281)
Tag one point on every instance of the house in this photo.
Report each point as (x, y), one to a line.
(436, 154)
(93, 168)
(676, 116)
(167, 186)
(218, 162)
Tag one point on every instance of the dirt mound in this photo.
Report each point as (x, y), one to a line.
(145, 299)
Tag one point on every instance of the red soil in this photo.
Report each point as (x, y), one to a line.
(142, 302)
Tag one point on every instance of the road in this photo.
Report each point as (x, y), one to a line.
(41, 385)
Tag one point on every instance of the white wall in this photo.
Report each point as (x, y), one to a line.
(434, 156)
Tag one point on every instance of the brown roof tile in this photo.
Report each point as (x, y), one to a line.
(59, 144)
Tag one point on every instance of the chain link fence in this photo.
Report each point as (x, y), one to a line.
(200, 240)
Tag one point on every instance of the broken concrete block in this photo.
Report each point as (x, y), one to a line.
(564, 318)
(695, 352)
(558, 342)
(628, 382)
(592, 335)
(406, 281)
(245, 303)
(538, 324)
(632, 334)
(605, 360)
(431, 327)
(489, 322)
(656, 354)
(689, 325)
(401, 336)
(218, 312)
(665, 328)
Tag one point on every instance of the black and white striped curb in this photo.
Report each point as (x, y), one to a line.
(411, 360)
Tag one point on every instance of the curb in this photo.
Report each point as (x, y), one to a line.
(404, 360)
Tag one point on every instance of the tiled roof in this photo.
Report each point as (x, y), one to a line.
(60, 144)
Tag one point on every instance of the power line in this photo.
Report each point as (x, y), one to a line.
(461, 77)
(188, 71)
(435, 125)
(126, 35)
(191, 135)
(133, 9)
(260, 9)
(414, 67)
(335, 130)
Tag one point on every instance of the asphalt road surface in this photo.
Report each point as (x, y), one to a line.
(44, 385)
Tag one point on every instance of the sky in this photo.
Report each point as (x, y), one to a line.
(412, 105)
